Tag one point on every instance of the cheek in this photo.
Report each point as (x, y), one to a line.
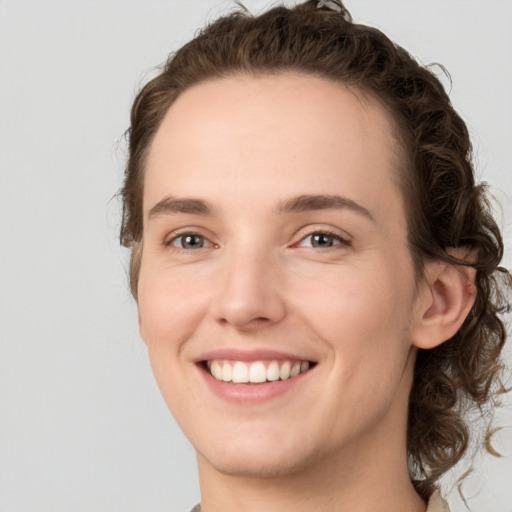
(363, 317)
(362, 296)
(169, 304)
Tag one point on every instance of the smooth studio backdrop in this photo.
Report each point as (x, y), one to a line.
(82, 424)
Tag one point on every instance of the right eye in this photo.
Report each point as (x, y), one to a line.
(189, 241)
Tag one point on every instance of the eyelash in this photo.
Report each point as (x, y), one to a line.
(176, 237)
(342, 242)
(325, 232)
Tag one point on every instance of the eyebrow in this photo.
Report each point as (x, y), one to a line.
(304, 203)
(171, 205)
(298, 204)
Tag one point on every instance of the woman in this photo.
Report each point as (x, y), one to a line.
(315, 269)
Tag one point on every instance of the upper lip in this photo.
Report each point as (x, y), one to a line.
(234, 354)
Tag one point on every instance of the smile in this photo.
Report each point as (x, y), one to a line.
(256, 372)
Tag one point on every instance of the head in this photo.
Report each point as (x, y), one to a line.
(446, 223)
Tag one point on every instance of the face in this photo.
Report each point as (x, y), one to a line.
(275, 258)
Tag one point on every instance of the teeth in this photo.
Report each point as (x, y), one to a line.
(227, 372)
(295, 370)
(256, 372)
(216, 370)
(240, 372)
(273, 371)
(284, 372)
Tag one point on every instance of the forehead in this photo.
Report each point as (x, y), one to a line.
(286, 133)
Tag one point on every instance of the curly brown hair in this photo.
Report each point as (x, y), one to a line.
(446, 209)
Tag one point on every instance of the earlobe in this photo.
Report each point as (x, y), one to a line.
(446, 296)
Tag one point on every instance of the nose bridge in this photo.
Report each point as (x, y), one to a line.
(250, 294)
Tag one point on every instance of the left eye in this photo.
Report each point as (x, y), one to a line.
(189, 241)
(321, 240)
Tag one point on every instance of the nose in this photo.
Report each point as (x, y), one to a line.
(250, 295)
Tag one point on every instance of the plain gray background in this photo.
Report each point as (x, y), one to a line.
(82, 424)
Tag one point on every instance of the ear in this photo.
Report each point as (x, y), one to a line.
(446, 295)
(135, 263)
(141, 326)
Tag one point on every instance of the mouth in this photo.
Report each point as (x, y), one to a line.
(255, 372)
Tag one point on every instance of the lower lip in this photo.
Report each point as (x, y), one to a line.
(250, 393)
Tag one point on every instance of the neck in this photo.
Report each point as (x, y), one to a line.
(325, 488)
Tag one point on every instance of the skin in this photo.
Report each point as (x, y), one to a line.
(246, 145)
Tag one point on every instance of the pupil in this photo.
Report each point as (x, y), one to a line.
(321, 240)
(192, 241)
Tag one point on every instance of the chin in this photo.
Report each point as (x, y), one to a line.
(254, 470)
(269, 461)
